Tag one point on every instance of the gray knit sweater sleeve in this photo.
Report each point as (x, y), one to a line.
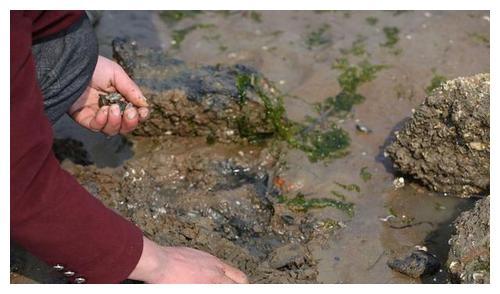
(64, 66)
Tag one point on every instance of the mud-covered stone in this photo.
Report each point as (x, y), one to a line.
(193, 100)
(290, 255)
(469, 256)
(446, 143)
(416, 264)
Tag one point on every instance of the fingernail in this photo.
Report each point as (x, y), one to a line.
(104, 110)
(131, 114)
(129, 105)
(143, 112)
(115, 109)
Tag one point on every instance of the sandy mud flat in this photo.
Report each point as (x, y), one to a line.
(282, 210)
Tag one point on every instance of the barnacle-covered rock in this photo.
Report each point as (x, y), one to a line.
(469, 257)
(446, 143)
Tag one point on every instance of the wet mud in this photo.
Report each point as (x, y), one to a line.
(216, 198)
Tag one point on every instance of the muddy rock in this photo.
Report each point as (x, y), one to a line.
(415, 264)
(208, 101)
(446, 143)
(290, 255)
(469, 256)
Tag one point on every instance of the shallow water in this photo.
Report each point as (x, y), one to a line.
(439, 41)
(451, 44)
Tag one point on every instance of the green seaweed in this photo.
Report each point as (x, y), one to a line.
(436, 81)
(350, 78)
(179, 35)
(480, 38)
(299, 203)
(222, 48)
(277, 33)
(274, 111)
(392, 211)
(255, 16)
(357, 47)
(365, 174)
(338, 195)
(317, 144)
(349, 187)
(330, 224)
(438, 206)
(281, 198)
(399, 12)
(391, 36)
(317, 38)
(243, 83)
(371, 20)
(174, 16)
(322, 145)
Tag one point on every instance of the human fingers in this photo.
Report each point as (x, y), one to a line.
(143, 113)
(128, 88)
(130, 119)
(234, 274)
(113, 124)
(100, 119)
(222, 279)
(91, 118)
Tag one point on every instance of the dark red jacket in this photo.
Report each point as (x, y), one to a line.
(52, 216)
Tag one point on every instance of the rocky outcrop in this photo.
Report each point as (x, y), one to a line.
(469, 257)
(446, 143)
(216, 102)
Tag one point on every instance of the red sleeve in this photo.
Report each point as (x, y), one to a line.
(52, 216)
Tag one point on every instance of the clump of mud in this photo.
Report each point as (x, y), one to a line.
(216, 198)
(446, 143)
(203, 101)
(469, 257)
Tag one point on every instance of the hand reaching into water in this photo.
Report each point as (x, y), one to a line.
(182, 265)
(109, 77)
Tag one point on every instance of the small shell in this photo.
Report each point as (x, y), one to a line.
(363, 129)
(398, 183)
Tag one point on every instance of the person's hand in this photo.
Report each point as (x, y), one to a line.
(182, 265)
(109, 77)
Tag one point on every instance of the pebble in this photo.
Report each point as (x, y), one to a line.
(398, 183)
(363, 129)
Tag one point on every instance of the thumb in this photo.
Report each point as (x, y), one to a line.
(128, 88)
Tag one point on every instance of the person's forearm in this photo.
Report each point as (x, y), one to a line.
(52, 216)
(148, 266)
